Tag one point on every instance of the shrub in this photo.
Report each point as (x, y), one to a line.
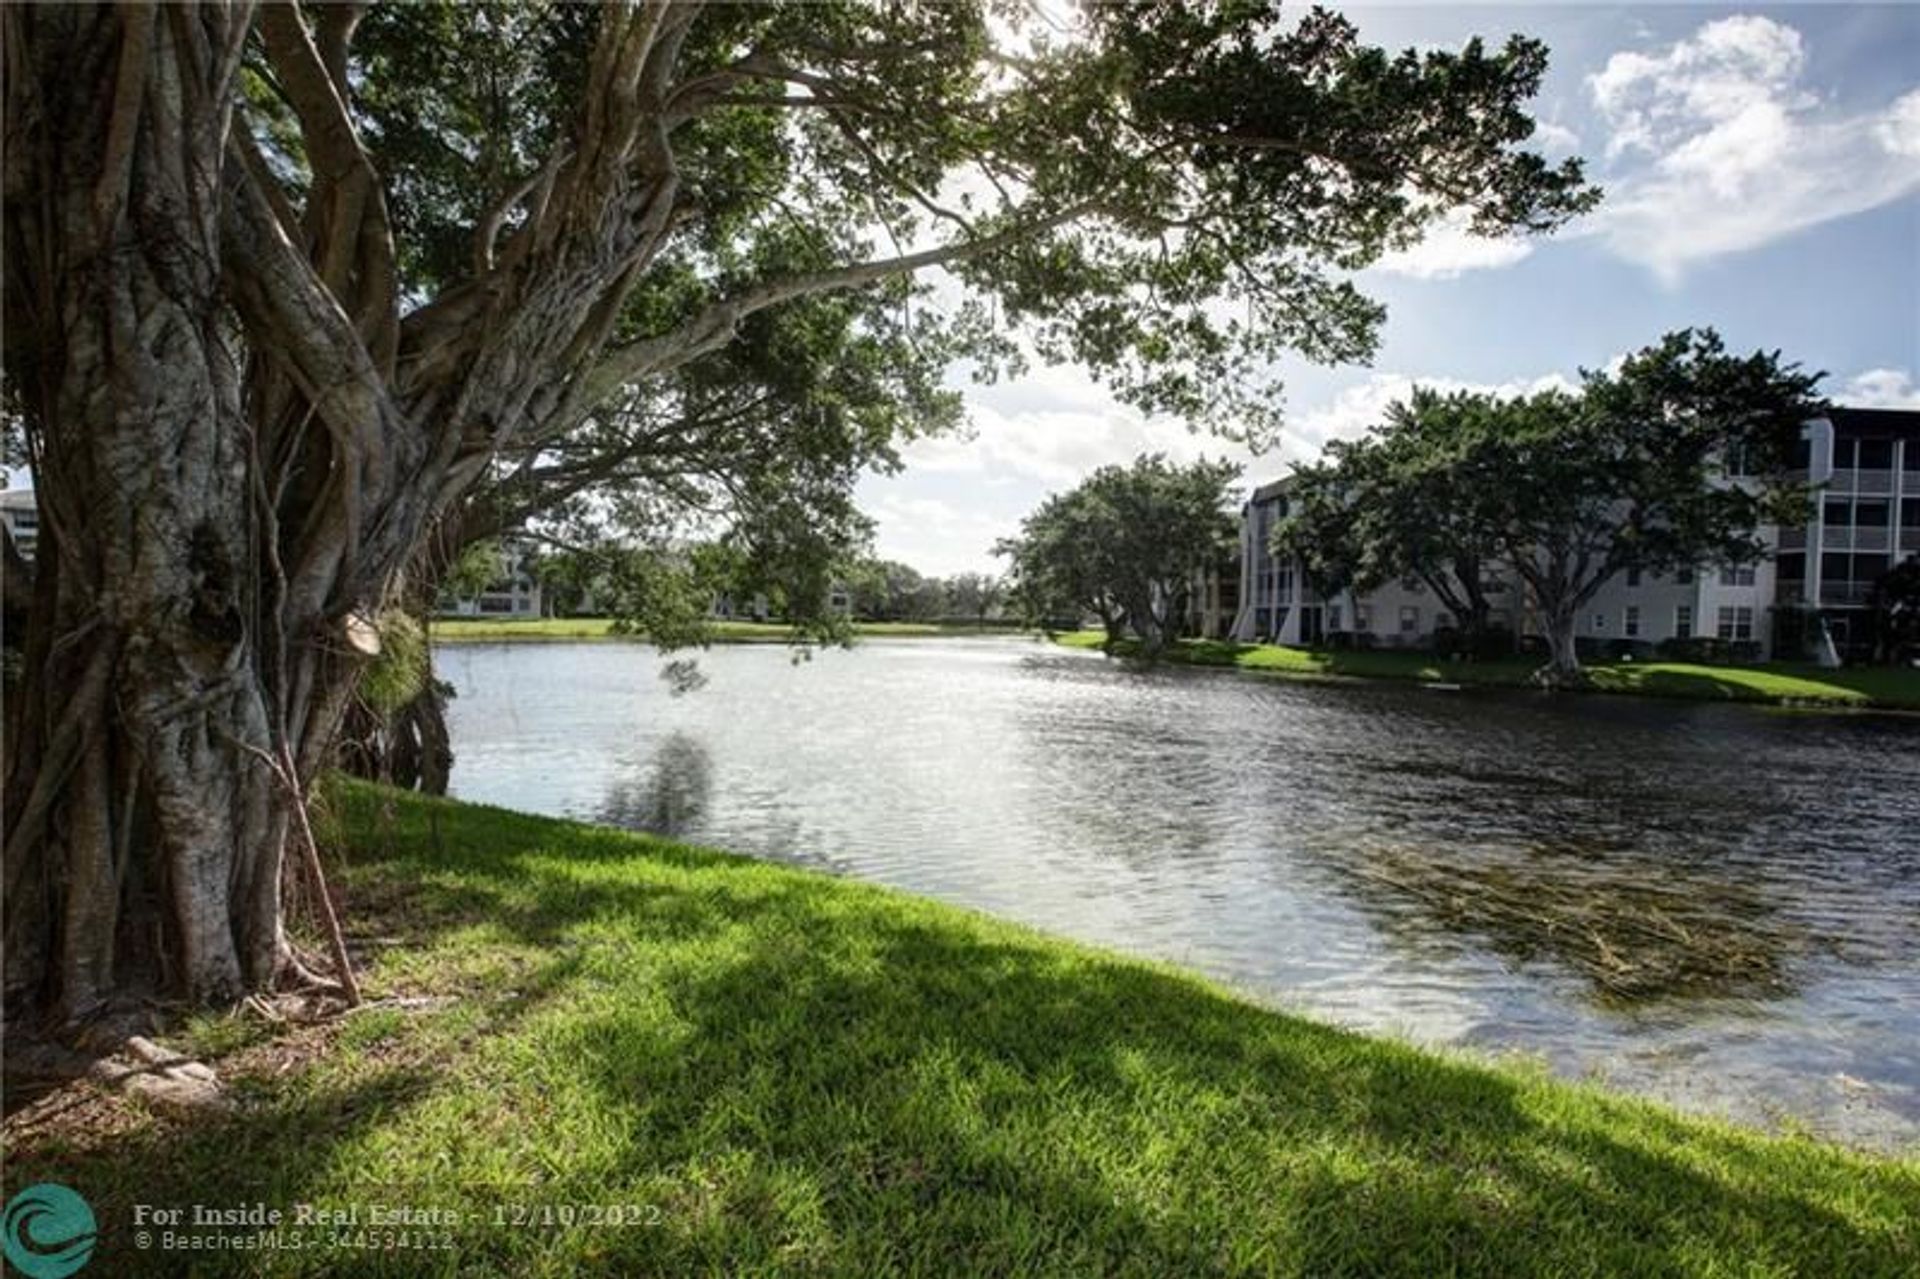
(1702, 648)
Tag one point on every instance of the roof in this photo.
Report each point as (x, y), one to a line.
(1272, 489)
(1901, 424)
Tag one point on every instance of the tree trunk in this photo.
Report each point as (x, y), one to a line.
(144, 832)
(1563, 656)
(411, 748)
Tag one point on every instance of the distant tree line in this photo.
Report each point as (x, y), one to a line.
(889, 591)
(669, 593)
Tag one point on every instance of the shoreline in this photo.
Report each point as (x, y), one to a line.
(785, 1070)
(1876, 689)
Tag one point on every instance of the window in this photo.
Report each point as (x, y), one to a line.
(1363, 617)
(1409, 619)
(1683, 621)
(1910, 506)
(1845, 454)
(1442, 620)
(1736, 622)
(1870, 515)
(1599, 621)
(1333, 617)
(1633, 577)
(1630, 624)
(1913, 456)
(1412, 584)
(1838, 513)
(1737, 575)
(1876, 455)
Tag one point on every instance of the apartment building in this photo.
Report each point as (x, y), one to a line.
(1865, 518)
(1865, 465)
(20, 512)
(514, 591)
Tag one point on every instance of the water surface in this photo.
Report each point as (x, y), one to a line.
(1717, 905)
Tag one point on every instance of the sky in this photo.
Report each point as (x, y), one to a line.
(1762, 170)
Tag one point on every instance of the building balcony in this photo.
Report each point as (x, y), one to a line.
(1793, 539)
(1858, 481)
(1845, 594)
(1842, 538)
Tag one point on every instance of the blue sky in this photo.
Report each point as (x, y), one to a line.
(1763, 175)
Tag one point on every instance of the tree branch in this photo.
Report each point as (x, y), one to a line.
(714, 326)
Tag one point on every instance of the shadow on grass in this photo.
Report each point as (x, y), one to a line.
(286, 1136)
(272, 1148)
(1028, 1112)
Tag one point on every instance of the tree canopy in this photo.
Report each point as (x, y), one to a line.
(375, 271)
(1407, 501)
(1672, 460)
(1124, 545)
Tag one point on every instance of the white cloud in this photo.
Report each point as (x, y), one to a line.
(1899, 130)
(1556, 139)
(1726, 68)
(934, 535)
(1880, 389)
(1723, 149)
(1053, 426)
(1449, 250)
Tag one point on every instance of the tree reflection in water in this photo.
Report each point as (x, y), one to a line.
(673, 794)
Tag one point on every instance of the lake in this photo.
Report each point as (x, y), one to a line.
(1715, 905)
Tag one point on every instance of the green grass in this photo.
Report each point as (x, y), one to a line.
(1782, 683)
(453, 630)
(783, 1072)
(447, 630)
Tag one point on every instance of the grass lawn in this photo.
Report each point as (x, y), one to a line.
(455, 630)
(781, 1072)
(1778, 682)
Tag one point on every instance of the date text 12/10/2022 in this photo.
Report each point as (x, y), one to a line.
(389, 1215)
